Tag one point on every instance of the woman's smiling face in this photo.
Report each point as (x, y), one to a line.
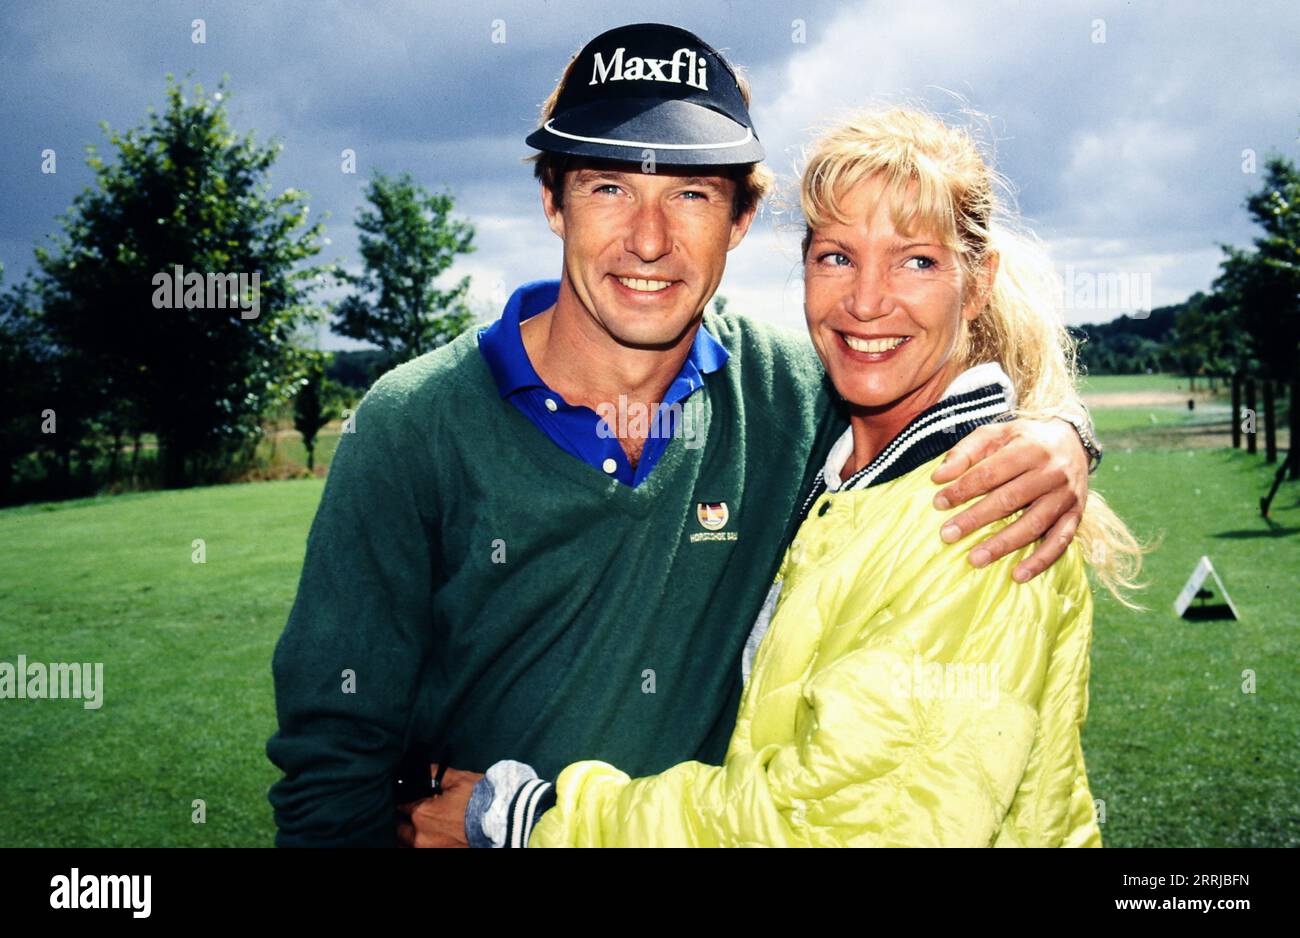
(885, 309)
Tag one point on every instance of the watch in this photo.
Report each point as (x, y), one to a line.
(1083, 426)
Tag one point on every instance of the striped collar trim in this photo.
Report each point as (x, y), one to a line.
(978, 396)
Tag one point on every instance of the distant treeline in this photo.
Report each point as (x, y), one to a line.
(1129, 345)
(359, 369)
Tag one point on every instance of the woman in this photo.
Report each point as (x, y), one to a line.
(897, 696)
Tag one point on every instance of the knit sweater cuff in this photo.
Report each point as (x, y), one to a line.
(505, 804)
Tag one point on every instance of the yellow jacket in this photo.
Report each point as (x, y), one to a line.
(900, 697)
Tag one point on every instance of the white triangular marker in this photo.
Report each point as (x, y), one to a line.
(1203, 569)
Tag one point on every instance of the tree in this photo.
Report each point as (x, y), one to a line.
(408, 239)
(1126, 345)
(356, 369)
(27, 364)
(1262, 287)
(186, 199)
(1204, 340)
(316, 404)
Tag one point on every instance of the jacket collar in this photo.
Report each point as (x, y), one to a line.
(979, 395)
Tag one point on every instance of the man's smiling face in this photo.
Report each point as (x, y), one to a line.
(644, 252)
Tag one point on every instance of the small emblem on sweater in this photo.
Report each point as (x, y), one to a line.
(712, 515)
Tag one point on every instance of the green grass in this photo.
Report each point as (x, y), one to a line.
(1176, 751)
(1132, 384)
(290, 451)
(188, 700)
(1109, 421)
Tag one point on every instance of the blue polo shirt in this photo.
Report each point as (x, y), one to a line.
(576, 429)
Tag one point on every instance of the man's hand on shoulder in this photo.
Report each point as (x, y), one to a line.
(1040, 466)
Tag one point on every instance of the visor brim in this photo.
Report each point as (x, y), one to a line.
(676, 132)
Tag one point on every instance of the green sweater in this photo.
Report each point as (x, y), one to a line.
(469, 587)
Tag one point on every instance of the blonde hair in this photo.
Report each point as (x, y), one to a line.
(753, 180)
(937, 181)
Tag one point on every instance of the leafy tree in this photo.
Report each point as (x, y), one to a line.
(1127, 345)
(317, 402)
(27, 370)
(185, 190)
(1262, 286)
(1205, 340)
(408, 239)
(356, 369)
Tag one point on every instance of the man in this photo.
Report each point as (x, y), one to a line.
(496, 571)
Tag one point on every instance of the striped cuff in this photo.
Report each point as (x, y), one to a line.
(505, 804)
(530, 802)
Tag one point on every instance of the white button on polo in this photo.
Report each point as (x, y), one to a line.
(551, 405)
(609, 466)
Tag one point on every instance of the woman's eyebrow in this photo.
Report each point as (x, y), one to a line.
(826, 239)
(901, 245)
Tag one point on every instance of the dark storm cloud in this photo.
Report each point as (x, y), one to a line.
(1124, 152)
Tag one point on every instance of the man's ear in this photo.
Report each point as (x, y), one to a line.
(554, 216)
(740, 227)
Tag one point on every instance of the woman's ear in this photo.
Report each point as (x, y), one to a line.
(983, 286)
